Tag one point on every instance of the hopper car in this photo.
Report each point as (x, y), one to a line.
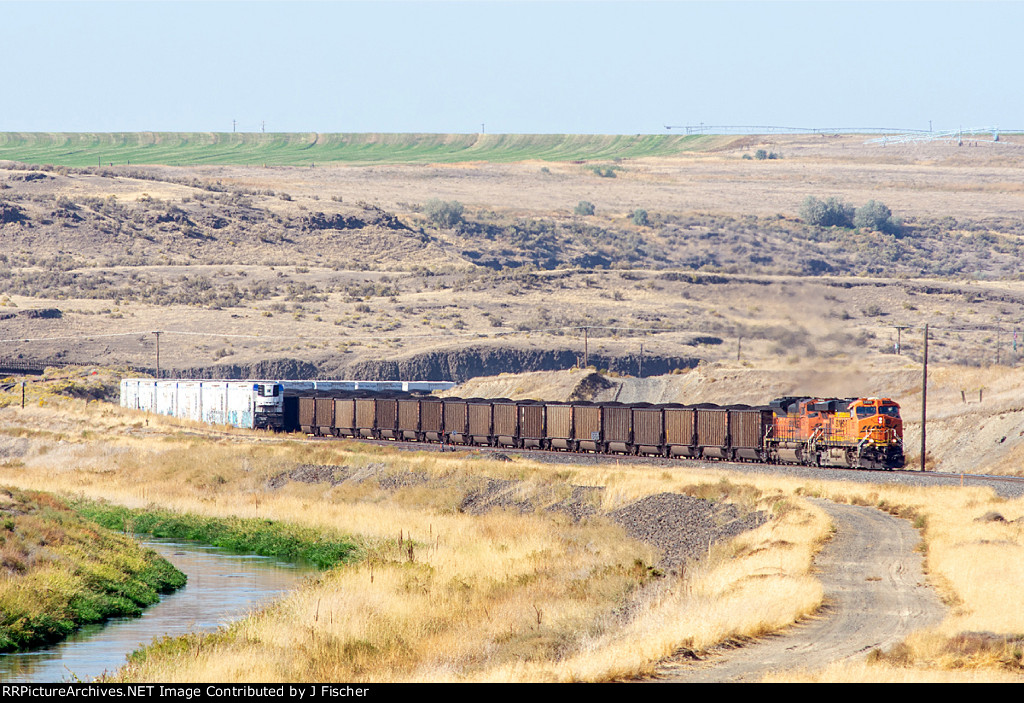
(839, 432)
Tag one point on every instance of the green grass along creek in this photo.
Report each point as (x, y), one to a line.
(67, 564)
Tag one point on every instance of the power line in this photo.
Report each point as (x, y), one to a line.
(433, 335)
(447, 333)
(77, 336)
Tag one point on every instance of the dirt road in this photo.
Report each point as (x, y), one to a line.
(875, 596)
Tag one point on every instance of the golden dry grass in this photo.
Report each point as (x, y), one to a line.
(508, 597)
(500, 596)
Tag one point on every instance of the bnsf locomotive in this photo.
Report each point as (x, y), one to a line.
(851, 432)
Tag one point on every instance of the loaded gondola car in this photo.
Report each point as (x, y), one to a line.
(532, 425)
(558, 427)
(851, 432)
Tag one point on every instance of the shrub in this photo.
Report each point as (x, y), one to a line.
(443, 213)
(584, 207)
(640, 218)
(826, 213)
(874, 215)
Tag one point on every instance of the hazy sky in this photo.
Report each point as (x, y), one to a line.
(586, 67)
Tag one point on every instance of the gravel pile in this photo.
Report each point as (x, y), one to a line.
(580, 503)
(495, 493)
(335, 475)
(510, 495)
(683, 527)
(307, 473)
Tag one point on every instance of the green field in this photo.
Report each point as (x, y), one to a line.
(294, 149)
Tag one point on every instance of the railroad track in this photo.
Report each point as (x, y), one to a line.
(1007, 486)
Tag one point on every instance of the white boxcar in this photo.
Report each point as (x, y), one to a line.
(250, 404)
(139, 394)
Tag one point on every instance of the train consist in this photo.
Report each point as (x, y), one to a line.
(845, 432)
(851, 432)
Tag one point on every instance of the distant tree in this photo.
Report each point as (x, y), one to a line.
(443, 213)
(826, 213)
(640, 218)
(584, 207)
(760, 154)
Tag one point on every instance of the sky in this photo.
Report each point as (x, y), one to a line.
(508, 67)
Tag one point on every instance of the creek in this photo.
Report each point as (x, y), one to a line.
(222, 587)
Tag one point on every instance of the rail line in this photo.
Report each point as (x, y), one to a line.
(1011, 486)
(584, 458)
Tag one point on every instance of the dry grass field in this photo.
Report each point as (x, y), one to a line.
(503, 596)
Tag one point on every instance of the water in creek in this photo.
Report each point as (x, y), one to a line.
(221, 588)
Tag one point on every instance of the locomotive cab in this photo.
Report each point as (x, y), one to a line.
(879, 432)
(877, 420)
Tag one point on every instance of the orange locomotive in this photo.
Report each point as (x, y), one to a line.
(856, 432)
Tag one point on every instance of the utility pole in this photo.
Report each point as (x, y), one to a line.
(899, 337)
(157, 353)
(234, 124)
(924, 398)
(586, 354)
